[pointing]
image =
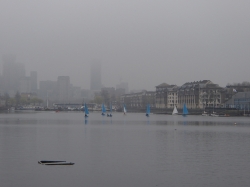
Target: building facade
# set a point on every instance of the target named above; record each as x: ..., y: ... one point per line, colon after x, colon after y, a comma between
x: 139, y: 100
x: 201, y: 94
x: 240, y: 100
x: 166, y: 96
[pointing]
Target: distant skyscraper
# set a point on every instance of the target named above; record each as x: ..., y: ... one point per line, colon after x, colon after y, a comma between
x: 96, y: 76
x: 48, y: 90
x: 33, y: 81
x: 63, y: 86
x: 25, y: 85
x: 12, y: 74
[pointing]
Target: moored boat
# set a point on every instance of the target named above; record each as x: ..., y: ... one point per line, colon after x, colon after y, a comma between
x: 214, y: 114
x: 205, y: 114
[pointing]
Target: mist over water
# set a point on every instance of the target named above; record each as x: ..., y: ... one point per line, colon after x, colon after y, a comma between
x: 144, y: 44
x: 125, y: 150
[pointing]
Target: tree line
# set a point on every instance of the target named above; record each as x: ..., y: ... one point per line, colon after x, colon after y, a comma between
x: 18, y: 100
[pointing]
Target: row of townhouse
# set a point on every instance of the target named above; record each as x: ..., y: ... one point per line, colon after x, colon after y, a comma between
x: 197, y: 94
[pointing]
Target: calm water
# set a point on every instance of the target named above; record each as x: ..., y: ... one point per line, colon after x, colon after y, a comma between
x: 124, y: 151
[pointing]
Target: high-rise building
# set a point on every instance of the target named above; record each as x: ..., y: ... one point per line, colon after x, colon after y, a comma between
x: 33, y: 81
x: 63, y: 88
x: 48, y: 90
x: 25, y: 85
x: 95, y: 76
x: 12, y: 74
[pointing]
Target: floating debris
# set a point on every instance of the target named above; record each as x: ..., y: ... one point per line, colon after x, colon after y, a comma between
x: 53, y: 162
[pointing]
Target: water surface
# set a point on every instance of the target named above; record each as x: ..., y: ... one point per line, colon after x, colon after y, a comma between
x: 132, y: 150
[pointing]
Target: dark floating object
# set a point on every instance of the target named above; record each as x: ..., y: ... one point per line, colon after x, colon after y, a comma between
x: 52, y: 162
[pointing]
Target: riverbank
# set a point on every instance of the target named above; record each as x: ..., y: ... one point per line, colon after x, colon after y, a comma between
x: 220, y: 111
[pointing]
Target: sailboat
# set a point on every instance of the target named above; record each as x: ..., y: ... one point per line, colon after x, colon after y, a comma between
x: 86, y: 110
x: 205, y: 113
x: 175, y: 111
x: 103, y: 109
x: 148, y: 110
x: 124, y: 110
x: 185, y: 110
x: 110, y: 115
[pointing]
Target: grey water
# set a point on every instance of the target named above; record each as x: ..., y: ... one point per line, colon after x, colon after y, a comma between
x: 124, y: 150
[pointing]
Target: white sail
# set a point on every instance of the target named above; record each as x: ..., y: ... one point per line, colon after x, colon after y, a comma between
x: 124, y: 110
x: 175, y: 111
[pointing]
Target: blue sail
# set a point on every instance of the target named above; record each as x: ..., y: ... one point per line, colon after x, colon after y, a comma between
x: 185, y: 110
x: 103, y: 109
x: 148, y: 110
x: 86, y: 110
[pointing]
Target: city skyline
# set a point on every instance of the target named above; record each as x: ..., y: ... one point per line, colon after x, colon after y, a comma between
x: 96, y: 81
x: 142, y: 44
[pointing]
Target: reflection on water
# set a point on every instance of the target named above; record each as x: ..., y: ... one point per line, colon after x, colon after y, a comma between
x: 124, y: 150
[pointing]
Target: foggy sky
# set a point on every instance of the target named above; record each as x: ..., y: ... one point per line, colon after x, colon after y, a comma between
x: 142, y: 42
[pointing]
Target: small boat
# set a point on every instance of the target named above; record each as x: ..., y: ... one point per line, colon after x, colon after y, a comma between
x: 185, y: 110
x: 148, y: 110
x: 205, y: 114
x: 214, y: 114
x: 110, y: 115
x: 52, y: 162
x: 103, y: 110
x: 175, y: 111
x: 86, y: 110
x: 124, y: 110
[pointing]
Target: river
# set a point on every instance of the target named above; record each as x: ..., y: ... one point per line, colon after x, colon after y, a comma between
x: 129, y: 150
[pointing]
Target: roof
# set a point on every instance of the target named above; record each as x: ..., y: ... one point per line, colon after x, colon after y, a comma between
x: 163, y: 85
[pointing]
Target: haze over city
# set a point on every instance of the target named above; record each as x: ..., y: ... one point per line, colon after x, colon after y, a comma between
x: 144, y: 43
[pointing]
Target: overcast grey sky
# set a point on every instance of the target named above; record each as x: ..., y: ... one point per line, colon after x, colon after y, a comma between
x: 142, y: 42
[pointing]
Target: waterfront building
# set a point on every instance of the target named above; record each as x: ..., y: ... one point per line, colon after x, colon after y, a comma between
x: 201, y: 94
x: 166, y: 96
x: 172, y: 96
x: 139, y: 100
x: 240, y: 100
x: 211, y: 95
